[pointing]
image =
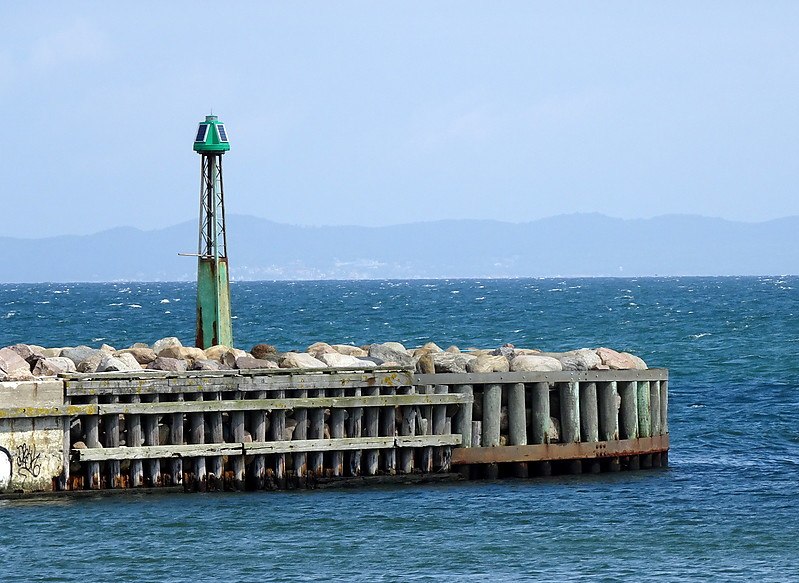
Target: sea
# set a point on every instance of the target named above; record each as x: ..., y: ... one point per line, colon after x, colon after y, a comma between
x: 726, y: 508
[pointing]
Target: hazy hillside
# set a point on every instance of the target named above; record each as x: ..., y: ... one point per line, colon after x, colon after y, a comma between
x: 566, y: 245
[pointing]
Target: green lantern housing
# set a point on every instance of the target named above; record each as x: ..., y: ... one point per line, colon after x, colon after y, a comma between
x: 214, y: 324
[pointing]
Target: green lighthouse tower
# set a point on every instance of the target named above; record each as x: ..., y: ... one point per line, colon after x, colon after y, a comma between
x: 213, y: 284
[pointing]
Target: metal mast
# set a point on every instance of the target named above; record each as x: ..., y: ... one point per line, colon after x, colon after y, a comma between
x: 213, y: 284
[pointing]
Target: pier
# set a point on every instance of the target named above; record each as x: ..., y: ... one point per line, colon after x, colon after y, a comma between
x: 292, y: 428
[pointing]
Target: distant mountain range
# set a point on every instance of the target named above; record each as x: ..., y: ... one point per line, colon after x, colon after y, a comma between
x: 561, y: 246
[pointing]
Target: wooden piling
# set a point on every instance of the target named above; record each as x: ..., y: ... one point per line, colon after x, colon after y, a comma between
x: 135, y: 439
x: 539, y: 422
x: 664, y: 407
x: 628, y: 412
x: 176, y: 438
x: 113, y: 467
x: 92, y: 440
x: 570, y: 419
x: 408, y: 428
x: 237, y: 435
x: 654, y: 406
x: 388, y: 428
x: 492, y: 413
x: 589, y: 421
x: 258, y: 425
x: 197, y: 436
x: 316, y: 430
x: 301, y: 432
x: 336, y: 431
x: 215, y: 463
x: 608, y: 403
x: 151, y: 437
x: 425, y: 427
x: 355, y: 429
x: 371, y: 429
x: 463, y: 418
x: 278, y: 428
x: 441, y: 454
x: 517, y: 423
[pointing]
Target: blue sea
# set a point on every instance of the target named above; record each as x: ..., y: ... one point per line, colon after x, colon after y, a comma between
x: 726, y: 509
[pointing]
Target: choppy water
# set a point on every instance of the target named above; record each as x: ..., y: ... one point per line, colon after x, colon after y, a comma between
x: 727, y: 508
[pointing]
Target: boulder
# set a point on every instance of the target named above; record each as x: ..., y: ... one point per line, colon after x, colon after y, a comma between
x: 192, y: 353
x: 159, y: 345
x: 453, y: 349
x: 553, y: 431
x: 350, y: 350
x: 451, y: 362
x: 249, y: 362
x: 168, y: 364
x: 506, y: 350
x: 108, y: 349
x: 139, y: 345
x: 487, y: 364
x: 392, y: 352
x: 92, y: 362
x: 584, y: 359
x: 142, y: 355
x: 48, y: 367
x: 618, y: 360
x: 425, y: 364
x: 28, y: 352
x: 52, y: 352
x: 637, y: 361
x: 300, y: 360
x: 205, y: 364
x: 111, y: 363
x: 262, y: 350
x: 222, y: 354
x: 336, y: 360
x: 318, y: 348
x: 78, y: 354
x: 432, y: 347
x: 534, y: 363
x: 13, y: 367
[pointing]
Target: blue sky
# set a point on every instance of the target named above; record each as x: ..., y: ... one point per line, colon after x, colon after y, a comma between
x: 374, y: 113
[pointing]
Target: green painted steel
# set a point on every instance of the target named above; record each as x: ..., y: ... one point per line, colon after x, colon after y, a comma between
x: 214, y: 325
x: 213, y: 138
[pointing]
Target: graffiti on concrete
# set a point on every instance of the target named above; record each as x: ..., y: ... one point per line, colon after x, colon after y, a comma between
x: 29, y: 464
x: 5, y: 468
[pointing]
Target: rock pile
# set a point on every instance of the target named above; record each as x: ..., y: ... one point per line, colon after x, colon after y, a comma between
x: 26, y: 361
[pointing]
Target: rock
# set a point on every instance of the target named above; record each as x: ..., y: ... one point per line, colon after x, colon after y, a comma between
x: 28, y: 352
x: 79, y: 445
x: 238, y: 353
x: 525, y: 351
x: 638, y: 361
x: 432, y: 347
x: 487, y: 364
x: 249, y: 362
x: 300, y: 360
x: 425, y: 364
x: 453, y: 350
x: 130, y: 361
x: 78, y: 354
x: 142, y: 355
x: 168, y: 364
x: 533, y: 363
x: 222, y: 354
x: 48, y: 367
x: 350, y: 350
x: 108, y: 349
x: 451, y: 362
x: 13, y: 367
x: 159, y: 345
x: 336, y: 360
x: 124, y: 363
x: 392, y: 352
x: 170, y: 352
x: 52, y: 352
x: 92, y: 362
x: 553, y: 431
x: 583, y: 359
x: 139, y: 345
x: 247, y: 437
x: 617, y: 360
x: 318, y: 348
x: 261, y: 350
x: 506, y: 350
x: 192, y: 353
x: 206, y: 364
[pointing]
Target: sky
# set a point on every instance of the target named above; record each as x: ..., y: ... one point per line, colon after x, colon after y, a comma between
x: 376, y: 113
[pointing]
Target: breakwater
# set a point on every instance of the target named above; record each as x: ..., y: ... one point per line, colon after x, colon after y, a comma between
x: 298, y: 421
